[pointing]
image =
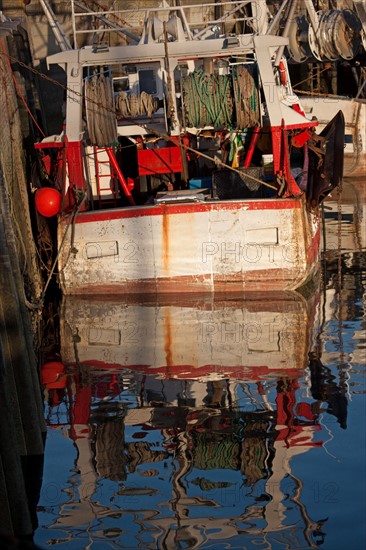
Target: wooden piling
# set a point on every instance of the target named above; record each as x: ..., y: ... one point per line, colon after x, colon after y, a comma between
x: 22, y: 425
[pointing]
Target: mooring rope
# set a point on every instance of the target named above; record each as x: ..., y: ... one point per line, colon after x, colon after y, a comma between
x: 71, y: 223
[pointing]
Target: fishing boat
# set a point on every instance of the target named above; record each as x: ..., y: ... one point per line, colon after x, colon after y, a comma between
x: 186, y: 162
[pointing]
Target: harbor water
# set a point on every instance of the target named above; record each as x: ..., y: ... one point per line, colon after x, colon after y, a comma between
x: 215, y: 422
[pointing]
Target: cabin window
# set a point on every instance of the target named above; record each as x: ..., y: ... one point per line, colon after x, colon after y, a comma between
x: 147, y: 81
x: 121, y: 84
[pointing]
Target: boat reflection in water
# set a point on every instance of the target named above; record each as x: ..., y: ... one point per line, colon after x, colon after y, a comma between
x: 185, y: 417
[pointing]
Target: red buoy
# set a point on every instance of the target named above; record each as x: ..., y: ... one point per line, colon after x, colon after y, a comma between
x: 48, y: 201
x: 52, y: 375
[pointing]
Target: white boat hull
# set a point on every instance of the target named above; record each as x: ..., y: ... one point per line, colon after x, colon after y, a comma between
x: 203, y: 246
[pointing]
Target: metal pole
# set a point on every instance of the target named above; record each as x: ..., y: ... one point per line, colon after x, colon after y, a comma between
x: 171, y: 110
x: 286, y: 30
x: 60, y: 36
x: 107, y: 22
x: 274, y: 23
x: 313, y: 16
x: 221, y: 19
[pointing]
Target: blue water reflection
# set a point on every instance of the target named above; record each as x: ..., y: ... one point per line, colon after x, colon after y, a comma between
x: 219, y: 422
x: 236, y: 442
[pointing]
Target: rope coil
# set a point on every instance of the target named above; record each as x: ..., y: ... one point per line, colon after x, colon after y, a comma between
x: 246, y: 97
x: 208, y: 100
x: 221, y: 101
x: 132, y: 105
x: 100, y: 111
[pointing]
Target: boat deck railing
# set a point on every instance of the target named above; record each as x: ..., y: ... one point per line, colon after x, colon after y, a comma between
x: 196, y: 21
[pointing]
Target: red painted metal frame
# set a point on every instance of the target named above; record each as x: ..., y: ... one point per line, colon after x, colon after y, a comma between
x: 167, y: 160
x: 49, y: 145
x: 281, y: 159
x: 251, y: 148
x: 115, y: 165
x: 74, y: 157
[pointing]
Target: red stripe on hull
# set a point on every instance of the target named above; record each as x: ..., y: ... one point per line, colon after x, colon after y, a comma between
x: 187, y: 208
x: 190, y: 372
x: 313, y: 251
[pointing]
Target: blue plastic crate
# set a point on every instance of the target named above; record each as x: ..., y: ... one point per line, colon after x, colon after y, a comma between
x: 201, y: 183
